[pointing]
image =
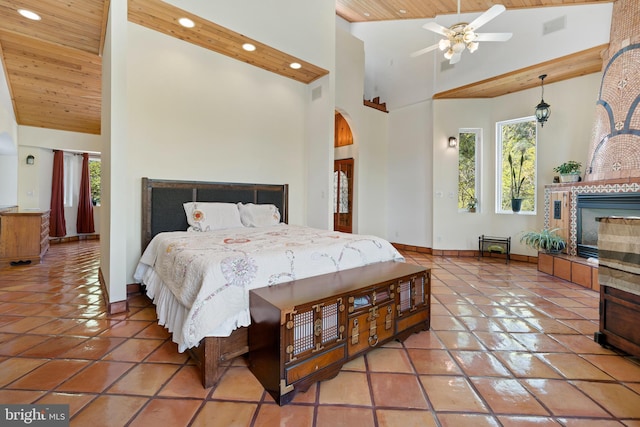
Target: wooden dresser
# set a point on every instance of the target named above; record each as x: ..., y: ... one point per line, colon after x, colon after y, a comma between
x: 303, y: 331
x: 24, y: 236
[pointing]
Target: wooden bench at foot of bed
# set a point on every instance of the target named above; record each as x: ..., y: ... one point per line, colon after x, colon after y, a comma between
x: 303, y: 331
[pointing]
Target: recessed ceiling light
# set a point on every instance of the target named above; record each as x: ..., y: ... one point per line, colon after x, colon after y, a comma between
x: 295, y: 65
x: 186, y: 22
x: 402, y: 11
x: 29, y: 14
x: 248, y: 47
x: 367, y: 14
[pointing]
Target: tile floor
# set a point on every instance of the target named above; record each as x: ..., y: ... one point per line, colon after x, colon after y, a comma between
x: 508, y: 346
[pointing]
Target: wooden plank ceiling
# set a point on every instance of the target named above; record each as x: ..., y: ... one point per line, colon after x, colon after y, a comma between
x: 53, y: 66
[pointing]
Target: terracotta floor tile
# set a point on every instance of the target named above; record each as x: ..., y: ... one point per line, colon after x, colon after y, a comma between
x: 581, y: 344
x: 96, y: 378
x: 93, y: 348
x: 551, y: 326
x: 581, y: 422
x: 446, y: 323
x: 526, y: 365
x: 8, y: 397
x: 49, y: 375
x: 538, y: 342
x: 25, y: 324
x: 238, y: 384
x: 574, y: 367
x: 185, y: 383
x: 452, y: 394
x: 393, y: 418
x: 174, y: 412
x: 481, y: 324
x: 284, y: 416
x: 126, y: 328
x: 519, y: 421
x: 225, y: 414
x: 499, y: 341
x: 423, y: 340
x: 347, y: 388
x: 480, y: 363
x: 134, y: 350
x: 54, y: 347
x: 460, y: 420
x: 562, y: 398
x: 433, y: 362
x: 615, y: 366
x: 508, y: 396
x: 14, y: 368
x: 389, y: 360
x: 397, y: 390
x: 619, y: 400
x: 338, y: 416
x: 144, y: 380
x: 109, y: 411
x: 76, y: 401
x: 459, y: 340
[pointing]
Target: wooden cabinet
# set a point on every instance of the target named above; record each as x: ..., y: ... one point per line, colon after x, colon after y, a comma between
x: 303, y: 331
x: 24, y: 236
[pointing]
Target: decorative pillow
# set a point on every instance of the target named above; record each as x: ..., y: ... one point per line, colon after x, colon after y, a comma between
x: 258, y: 215
x: 209, y: 216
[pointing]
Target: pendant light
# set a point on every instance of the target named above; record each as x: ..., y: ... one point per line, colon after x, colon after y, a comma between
x: 543, y: 110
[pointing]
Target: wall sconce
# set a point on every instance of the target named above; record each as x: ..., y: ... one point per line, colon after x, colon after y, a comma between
x: 543, y: 110
x: 30, y: 159
x: 453, y: 142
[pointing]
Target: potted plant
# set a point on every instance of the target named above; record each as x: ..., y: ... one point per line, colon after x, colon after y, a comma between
x: 544, y: 240
x: 569, y: 171
x: 516, y: 181
x: 472, y: 204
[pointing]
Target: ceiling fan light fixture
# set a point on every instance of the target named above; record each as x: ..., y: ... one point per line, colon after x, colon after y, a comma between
x: 448, y: 54
x: 444, y: 44
x: 458, y: 47
x: 469, y: 36
x: 472, y: 46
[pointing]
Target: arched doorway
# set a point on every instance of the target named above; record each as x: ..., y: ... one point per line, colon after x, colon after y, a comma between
x: 343, y: 169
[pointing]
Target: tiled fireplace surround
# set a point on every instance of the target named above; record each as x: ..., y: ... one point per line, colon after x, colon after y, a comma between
x: 568, y: 266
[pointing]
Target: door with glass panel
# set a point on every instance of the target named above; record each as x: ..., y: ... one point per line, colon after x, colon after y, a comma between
x: 343, y: 195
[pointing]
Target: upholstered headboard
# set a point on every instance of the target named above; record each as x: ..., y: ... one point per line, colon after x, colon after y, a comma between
x: 162, y: 201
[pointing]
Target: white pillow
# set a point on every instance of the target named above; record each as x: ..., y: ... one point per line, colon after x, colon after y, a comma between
x: 258, y: 215
x: 209, y: 216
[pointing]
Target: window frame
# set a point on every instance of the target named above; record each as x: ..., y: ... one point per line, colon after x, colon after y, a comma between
x: 477, y: 163
x: 499, y: 169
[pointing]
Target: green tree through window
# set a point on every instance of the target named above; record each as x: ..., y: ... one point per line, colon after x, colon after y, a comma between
x: 468, y: 140
x: 518, y: 138
x: 94, y: 178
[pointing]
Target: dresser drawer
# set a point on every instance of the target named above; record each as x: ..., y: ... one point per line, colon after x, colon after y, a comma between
x: 314, y: 364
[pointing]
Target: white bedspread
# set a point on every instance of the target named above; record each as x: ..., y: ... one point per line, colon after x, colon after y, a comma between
x: 200, y: 282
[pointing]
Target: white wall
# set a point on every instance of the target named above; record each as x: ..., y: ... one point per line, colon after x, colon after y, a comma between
x: 193, y: 114
x: 8, y: 147
x: 370, y: 134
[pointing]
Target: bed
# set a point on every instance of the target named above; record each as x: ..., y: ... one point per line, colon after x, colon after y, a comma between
x: 199, y: 281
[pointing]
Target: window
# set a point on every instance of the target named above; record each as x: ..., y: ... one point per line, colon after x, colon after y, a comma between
x: 516, y: 139
x: 469, y: 142
x: 94, y: 179
x: 69, y: 178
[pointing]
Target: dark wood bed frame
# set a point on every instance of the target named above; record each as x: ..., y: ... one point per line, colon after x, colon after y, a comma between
x: 162, y: 210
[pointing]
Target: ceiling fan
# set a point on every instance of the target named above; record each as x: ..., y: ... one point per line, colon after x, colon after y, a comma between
x: 463, y: 35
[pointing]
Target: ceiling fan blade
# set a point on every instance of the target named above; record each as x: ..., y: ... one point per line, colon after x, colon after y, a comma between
x: 493, y: 37
x: 491, y: 13
x: 455, y: 58
x: 423, y: 51
x: 437, y: 28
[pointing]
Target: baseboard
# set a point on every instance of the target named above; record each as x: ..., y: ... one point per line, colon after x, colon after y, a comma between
x: 112, y: 307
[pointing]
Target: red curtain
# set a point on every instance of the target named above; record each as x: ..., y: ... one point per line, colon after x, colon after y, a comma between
x: 57, y: 225
x: 84, y: 224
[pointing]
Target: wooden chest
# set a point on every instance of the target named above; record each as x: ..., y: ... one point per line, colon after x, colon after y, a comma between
x: 24, y: 236
x: 303, y: 331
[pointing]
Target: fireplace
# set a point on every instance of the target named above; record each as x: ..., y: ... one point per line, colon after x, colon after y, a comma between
x: 590, y: 206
